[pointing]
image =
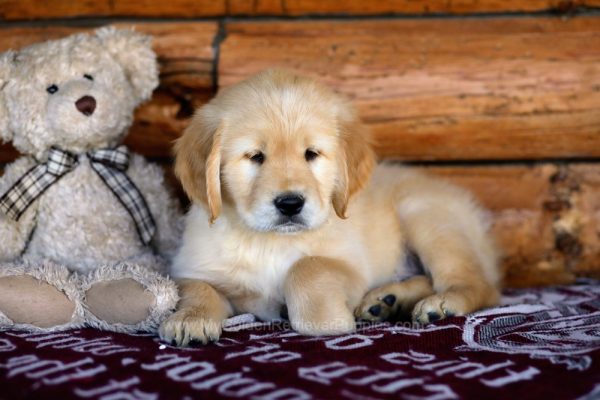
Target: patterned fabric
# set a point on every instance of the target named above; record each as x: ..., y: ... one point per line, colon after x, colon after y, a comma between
x: 109, y: 164
x: 540, y: 344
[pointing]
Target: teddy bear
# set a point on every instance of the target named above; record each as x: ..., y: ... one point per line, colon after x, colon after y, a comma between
x: 86, y: 227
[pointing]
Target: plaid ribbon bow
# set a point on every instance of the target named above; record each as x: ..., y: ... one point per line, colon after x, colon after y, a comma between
x: 109, y: 164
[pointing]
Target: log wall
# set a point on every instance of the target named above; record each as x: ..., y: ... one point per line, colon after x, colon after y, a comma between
x: 501, y: 97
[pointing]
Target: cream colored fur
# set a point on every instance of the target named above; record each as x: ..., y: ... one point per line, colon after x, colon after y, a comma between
x: 78, y: 224
x: 351, y: 236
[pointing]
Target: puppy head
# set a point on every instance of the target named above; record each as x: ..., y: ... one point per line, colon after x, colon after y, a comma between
x: 282, y: 150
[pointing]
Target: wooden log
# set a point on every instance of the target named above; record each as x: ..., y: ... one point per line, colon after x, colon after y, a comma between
x: 430, y: 90
x: 185, y: 55
x: 545, y: 217
x: 390, y: 7
x: 505, y: 88
x: 582, y: 222
x: 38, y: 9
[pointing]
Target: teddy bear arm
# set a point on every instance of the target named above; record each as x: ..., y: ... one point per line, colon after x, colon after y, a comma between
x: 15, y: 234
x: 149, y: 178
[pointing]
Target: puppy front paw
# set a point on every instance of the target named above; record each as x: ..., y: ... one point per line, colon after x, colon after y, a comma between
x: 190, y: 326
x: 393, y: 301
x: 436, y: 307
x: 377, y: 307
x: 457, y: 301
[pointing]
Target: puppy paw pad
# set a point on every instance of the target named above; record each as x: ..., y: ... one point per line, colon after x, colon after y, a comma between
x: 449, y: 313
x: 438, y: 306
x: 433, y: 316
x: 390, y: 299
x: 375, y: 310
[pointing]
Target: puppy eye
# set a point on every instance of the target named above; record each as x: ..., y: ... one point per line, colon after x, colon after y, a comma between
x: 52, y: 89
x: 310, y: 155
x: 88, y: 77
x: 258, y: 158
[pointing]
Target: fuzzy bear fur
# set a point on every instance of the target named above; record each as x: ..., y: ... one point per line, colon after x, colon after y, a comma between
x: 77, y: 233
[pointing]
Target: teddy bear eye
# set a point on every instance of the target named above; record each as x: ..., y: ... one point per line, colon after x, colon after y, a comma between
x: 88, y: 77
x: 52, y: 89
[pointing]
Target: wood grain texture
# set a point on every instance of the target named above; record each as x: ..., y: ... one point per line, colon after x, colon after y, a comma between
x: 185, y: 55
x: 546, y: 218
x: 506, y: 88
x: 429, y: 89
x: 388, y: 7
x: 38, y: 9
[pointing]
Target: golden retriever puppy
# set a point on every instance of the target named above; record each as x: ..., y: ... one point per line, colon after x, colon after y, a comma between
x: 289, y: 208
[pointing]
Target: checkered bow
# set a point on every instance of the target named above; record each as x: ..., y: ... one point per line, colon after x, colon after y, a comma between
x: 109, y: 164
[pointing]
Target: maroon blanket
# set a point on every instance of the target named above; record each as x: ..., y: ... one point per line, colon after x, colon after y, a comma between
x: 542, y: 344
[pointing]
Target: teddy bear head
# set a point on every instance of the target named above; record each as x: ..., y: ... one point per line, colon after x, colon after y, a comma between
x: 77, y: 93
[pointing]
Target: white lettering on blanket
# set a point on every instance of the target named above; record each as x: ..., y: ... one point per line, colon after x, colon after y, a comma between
x: 266, y: 353
x: 378, y: 381
x: 6, y: 345
x: 364, y: 337
x: 100, y: 346
x: 203, y: 375
x: 51, y: 372
x: 462, y: 368
x: 115, y: 390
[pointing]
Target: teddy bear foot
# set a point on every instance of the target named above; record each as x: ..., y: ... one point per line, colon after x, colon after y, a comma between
x: 128, y: 298
x: 43, y: 305
x: 122, y: 301
x: 39, y: 297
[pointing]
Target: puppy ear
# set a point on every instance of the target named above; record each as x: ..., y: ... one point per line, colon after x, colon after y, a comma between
x: 133, y: 51
x: 6, y: 66
x: 356, y: 162
x: 198, y: 161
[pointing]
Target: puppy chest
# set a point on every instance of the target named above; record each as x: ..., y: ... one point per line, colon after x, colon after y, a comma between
x: 266, y: 271
x: 79, y: 218
x: 257, y: 270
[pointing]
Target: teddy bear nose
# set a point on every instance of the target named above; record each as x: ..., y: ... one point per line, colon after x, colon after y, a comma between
x: 86, y: 105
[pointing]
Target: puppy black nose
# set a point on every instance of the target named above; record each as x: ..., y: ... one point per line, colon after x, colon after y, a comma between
x: 289, y: 204
x: 86, y: 105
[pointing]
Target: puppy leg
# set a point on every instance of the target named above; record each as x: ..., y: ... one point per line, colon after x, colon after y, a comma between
x: 320, y: 294
x: 461, y: 265
x: 394, y: 300
x: 199, y: 317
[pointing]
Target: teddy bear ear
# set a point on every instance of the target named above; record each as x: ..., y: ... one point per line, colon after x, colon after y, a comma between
x: 6, y: 66
x: 133, y: 51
